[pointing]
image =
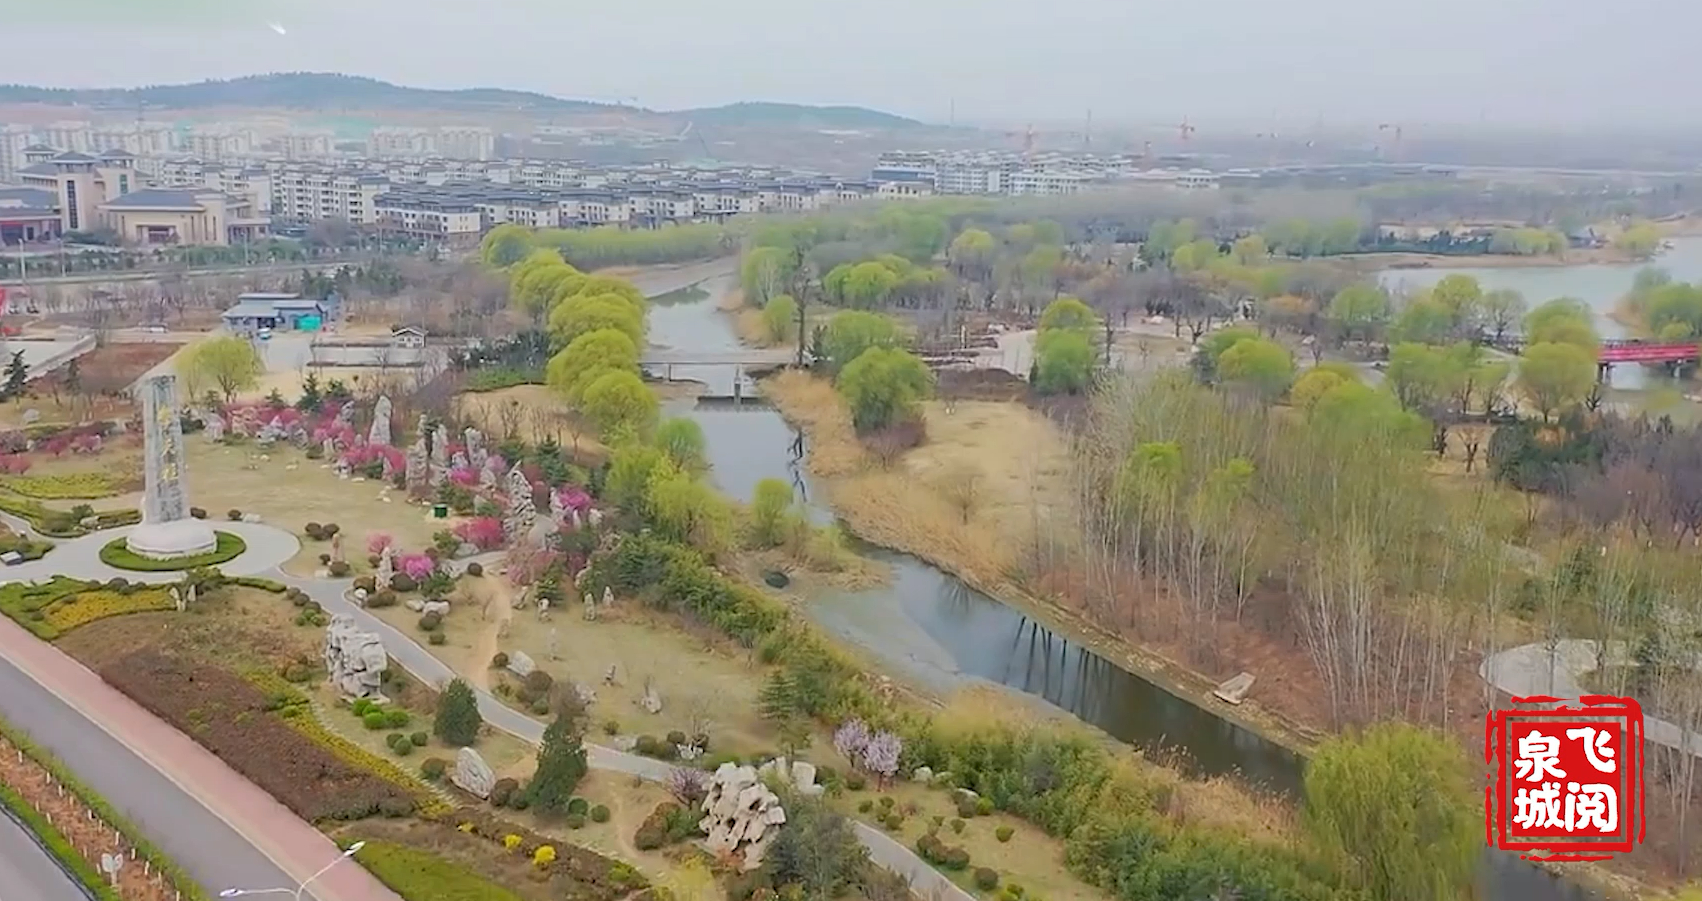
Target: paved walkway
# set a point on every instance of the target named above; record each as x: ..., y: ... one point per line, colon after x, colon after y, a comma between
x: 1531, y: 670
x: 222, y: 829
x: 268, y: 548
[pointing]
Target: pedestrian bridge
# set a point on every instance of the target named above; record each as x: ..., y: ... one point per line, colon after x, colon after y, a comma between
x: 751, y: 358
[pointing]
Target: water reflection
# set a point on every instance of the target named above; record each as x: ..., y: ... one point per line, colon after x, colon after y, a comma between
x: 936, y: 630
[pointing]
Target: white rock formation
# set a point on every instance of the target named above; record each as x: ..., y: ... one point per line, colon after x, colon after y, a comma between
x: 472, y: 774
x: 741, y: 815
x: 354, y: 658
x: 520, y: 664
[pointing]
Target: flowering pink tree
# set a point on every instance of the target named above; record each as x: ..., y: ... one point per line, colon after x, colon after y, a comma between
x: 463, y: 476
x: 482, y: 532
x: 880, y: 755
x: 376, y: 542
x: 850, y: 738
x: 527, y: 561
x: 416, y: 566
x: 574, y: 498
x: 14, y: 464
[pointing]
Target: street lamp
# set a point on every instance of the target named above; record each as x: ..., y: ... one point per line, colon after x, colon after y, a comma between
x: 294, y: 893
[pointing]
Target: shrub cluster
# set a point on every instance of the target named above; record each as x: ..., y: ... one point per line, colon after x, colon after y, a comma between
x: 667, y: 824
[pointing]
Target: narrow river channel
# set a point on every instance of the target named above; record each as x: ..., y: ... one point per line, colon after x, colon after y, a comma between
x: 932, y: 629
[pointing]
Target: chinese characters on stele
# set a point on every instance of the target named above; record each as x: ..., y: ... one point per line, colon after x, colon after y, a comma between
x: 1566, y: 777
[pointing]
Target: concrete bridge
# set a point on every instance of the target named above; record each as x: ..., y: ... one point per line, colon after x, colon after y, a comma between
x: 747, y: 358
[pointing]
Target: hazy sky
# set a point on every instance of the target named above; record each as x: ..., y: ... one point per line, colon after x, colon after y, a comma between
x: 1253, y: 62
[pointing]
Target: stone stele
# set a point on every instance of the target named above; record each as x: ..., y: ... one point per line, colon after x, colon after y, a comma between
x: 166, y: 530
x: 354, y: 658
x: 472, y: 774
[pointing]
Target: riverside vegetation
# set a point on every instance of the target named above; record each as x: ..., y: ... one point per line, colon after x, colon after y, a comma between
x: 1392, y: 576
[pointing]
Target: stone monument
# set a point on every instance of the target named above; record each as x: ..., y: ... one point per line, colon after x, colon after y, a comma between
x: 471, y: 774
x: 522, y: 513
x: 380, y: 432
x: 166, y: 529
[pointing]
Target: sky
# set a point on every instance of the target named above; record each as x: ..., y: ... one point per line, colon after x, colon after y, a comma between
x: 1254, y: 63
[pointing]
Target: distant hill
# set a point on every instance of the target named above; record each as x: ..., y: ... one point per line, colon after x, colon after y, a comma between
x: 301, y: 90
x: 793, y: 115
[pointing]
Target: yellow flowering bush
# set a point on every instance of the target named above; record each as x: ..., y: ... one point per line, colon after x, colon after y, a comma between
x: 81, y: 609
x: 465, y: 827
x: 511, y: 841
x: 72, y: 486
x: 544, y: 856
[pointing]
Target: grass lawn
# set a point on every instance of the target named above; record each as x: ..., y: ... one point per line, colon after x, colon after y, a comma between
x: 699, y: 674
x: 288, y: 491
x: 118, y: 555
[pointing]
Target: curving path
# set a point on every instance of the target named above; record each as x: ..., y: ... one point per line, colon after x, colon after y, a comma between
x: 268, y: 548
x: 1533, y: 670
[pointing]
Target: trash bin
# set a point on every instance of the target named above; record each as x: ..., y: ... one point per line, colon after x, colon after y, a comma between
x: 439, y: 511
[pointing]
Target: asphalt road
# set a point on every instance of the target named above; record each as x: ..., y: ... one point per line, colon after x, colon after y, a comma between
x: 212, y: 853
x: 27, y: 873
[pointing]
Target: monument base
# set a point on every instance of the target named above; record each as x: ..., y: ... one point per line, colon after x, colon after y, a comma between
x: 166, y: 540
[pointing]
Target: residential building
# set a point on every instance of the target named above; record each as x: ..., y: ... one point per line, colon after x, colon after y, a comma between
x: 466, y: 142
x: 433, y: 217
x: 1196, y: 180
x: 408, y: 337
x: 391, y: 141
x: 13, y: 140
x: 292, y: 312
x: 71, y: 136
x: 310, y: 193
x: 306, y: 145
x: 219, y: 143
x: 170, y: 216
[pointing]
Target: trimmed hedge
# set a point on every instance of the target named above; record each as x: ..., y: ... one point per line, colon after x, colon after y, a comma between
x: 262, y: 584
x: 180, y: 880
x: 118, y: 556
x: 422, y: 876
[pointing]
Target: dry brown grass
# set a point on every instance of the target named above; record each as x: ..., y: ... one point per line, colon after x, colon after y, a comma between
x: 698, y: 673
x: 535, y: 412
x: 988, y: 478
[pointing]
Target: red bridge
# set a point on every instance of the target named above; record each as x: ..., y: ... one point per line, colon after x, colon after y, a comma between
x: 1635, y: 351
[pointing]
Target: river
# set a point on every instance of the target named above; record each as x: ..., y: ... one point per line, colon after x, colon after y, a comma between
x: 933, y: 630
x: 1600, y: 285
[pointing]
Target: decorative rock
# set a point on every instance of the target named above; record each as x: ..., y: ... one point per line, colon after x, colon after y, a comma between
x: 520, y: 664
x: 441, y: 608
x: 650, y: 701
x: 379, y: 434
x: 360, y: 596
x: 214, y: 426
x: 611, y: 676
x: 32, y: 416
x: 924, y: 775
x: 250, y: 517
x: 472, y: 774
x: 415, y: 604
x: 804, y: 777
x: 386, y: 568
x: 521, y: 511
x: 740, y: 815
x: 586, y: 694
x: 590, y: 609
x: 608, y: 596
x: 1234, y: 691
x: 417, y: 467
x: 354, y: 658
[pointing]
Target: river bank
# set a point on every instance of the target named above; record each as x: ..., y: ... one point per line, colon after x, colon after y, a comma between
x: 962, y: 503
x: 1574, y: 257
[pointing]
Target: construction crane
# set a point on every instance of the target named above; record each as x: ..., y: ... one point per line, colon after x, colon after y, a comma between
x: 1027, y: 136
x: 1186, y: 130
x: 1390, y: 126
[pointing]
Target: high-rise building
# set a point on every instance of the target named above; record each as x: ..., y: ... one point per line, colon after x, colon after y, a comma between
x: 466, y: 143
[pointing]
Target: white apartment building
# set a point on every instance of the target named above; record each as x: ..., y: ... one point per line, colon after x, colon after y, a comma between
x: 306, y: 194
x: 305, y: 145
x: 1044, y: 182
x: 391, y: 141
x: 465, y: 142
x: 13, y: 140
x: 218, y: 143
x: 65, y: 136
